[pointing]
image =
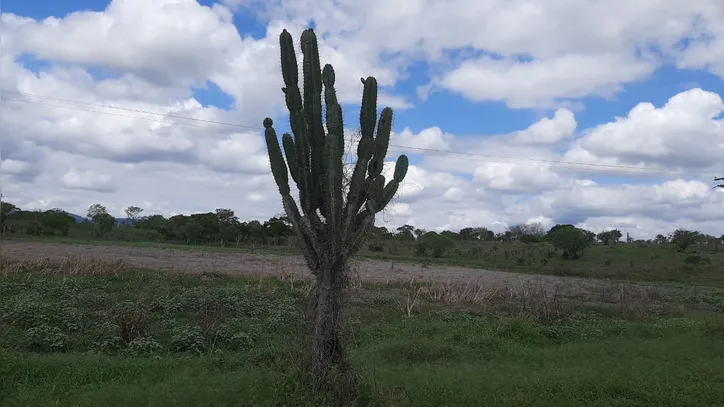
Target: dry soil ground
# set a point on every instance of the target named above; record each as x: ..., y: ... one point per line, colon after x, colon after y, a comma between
x: 190, y: 261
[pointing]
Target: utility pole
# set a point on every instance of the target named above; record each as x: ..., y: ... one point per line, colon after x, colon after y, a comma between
x: 720, y: 185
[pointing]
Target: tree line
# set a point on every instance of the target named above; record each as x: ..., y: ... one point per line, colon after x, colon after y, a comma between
x: 222, y: 227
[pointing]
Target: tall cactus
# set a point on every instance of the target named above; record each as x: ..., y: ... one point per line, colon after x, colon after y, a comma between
x: 332, y: 223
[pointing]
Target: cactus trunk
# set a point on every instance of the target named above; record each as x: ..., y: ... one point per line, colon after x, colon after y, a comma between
x: 330, y: 224
x: 324, y: 346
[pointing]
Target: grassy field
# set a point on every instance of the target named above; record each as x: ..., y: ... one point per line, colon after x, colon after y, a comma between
x: 105, y: 337
x: 702, y: 265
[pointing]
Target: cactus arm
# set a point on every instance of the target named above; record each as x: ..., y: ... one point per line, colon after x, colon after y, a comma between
x: 276, y: 159
x: 362, y: 223
x: 368, y: 110
x: 290, y: 153
x: 390, y: 189
x: 312, y: 74
x: 382, y: 142
x: 334, y: 190
x: 365, y: 149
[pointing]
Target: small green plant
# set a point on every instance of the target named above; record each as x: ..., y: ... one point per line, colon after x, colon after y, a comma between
x: 188, y: 338
x: 696, y: 259
x: 132, y: 320
x: 46, y: 338
x: 144, y: 346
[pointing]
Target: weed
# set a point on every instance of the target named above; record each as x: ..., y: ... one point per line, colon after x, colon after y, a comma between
x: 144, y: 346
x: 188, y: 339
x: 46, y: 338
x: 133, y: 321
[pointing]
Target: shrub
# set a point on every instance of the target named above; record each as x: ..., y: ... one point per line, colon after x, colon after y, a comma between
x: 188, y: 338
x: 144, y: 346
x: 46, y: 338
x: 696, y: 259
x: 375, y: 247
x: 438, y: 244
x: 571, y: 240
x: 132, y: 321
x: 683, y: 238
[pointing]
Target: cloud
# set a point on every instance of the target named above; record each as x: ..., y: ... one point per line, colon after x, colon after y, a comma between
x: 517, y: 179
x: 525, y: 54
x: 241, y: 153
x: 706, y: 47
x: 543, y: 83
x: 686, y: 132
x: 429, y: 138
x: 88, y: 180
x: 164, y: 42
x: 77, y: 128
x: 549, y: 130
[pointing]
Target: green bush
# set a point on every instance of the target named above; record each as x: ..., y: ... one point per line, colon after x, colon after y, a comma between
x: 572, y: 241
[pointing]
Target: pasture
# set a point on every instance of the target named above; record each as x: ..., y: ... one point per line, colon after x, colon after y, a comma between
x: 132, y: 324
x: 640, y: 261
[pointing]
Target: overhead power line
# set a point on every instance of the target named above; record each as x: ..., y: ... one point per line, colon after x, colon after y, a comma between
x: 172, y: 116
x: 24, y: 97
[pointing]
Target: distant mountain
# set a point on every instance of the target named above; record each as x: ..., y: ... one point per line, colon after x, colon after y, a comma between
x: 78, y: 218
x: 81, y: 219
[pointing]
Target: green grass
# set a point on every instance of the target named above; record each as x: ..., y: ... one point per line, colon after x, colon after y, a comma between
x: 144, y: 338
x: 702, y: 265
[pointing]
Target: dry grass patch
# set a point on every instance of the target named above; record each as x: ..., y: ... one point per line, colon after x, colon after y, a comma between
x: 72, y: 265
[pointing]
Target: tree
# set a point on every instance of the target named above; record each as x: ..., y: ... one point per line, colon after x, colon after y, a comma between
x: 683, y: 238
x: 95, y: 210
x: 315, y: 161
x: 534, y: 229
x: 103, y: 224
x: 192, y: 231
x: 609, y: 237
x: 102, y: 221
x: 419, y: 232
x: 6, y: 208
x: 571, y: 240
x: 278, y: 228
x: 450, y: 234
x: 439, y: 244
x: 467, y: 234
x: 226, y: 217
x: 661, y: 239
x: 157, y: 223
x: 527, y: 232
x: 516, y: 231
x: 555, y: 228
x: 133, y: 213
x: 57, y: 220
x: 405, y: 232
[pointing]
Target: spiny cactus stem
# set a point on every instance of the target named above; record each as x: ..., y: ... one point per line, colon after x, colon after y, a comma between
x: 314, y: 160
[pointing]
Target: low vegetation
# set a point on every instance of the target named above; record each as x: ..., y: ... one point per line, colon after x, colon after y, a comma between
x: 87, y: 333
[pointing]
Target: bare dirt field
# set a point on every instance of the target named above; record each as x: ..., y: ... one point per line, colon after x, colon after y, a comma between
x: 247, y: 264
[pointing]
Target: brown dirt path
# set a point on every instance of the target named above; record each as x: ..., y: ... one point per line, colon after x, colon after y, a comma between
x: 189, y: 261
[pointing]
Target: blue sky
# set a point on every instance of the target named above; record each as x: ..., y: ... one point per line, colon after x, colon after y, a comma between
x: 497, y: 82
x: 444, y: 109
